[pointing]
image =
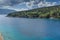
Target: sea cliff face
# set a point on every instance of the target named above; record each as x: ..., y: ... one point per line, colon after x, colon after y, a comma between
x: 46, y: 12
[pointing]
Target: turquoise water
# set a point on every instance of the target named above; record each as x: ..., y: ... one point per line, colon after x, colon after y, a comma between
x: 29, y: 29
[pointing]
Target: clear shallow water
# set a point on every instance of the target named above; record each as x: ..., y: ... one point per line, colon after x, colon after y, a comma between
x: 29, y: 29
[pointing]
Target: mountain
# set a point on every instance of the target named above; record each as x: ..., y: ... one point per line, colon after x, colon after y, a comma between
x: 45, y: 12
x: 6, y: 11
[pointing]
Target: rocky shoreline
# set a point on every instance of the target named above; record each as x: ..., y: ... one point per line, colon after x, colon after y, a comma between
x: 1, y: 37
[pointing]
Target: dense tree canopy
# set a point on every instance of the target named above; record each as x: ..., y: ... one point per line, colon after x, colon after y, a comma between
x: 46, y: 12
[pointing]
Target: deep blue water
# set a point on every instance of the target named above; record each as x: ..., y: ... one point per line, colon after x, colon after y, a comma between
x: 29, y: 29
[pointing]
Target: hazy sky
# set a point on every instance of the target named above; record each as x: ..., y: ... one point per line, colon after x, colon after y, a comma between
x: 26, y: 4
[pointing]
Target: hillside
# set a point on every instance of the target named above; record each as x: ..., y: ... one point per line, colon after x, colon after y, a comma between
x: 46, y: 12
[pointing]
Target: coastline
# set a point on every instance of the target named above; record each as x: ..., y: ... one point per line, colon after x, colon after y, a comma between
x: 1, y: 37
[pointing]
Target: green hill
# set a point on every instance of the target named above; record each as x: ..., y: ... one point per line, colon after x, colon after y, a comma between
x: 46, y: 12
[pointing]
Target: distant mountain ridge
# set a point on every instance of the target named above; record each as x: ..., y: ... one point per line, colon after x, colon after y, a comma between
x: 6, y: 11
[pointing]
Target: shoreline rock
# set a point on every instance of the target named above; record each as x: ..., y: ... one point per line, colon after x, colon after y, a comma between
x: 1, y: 37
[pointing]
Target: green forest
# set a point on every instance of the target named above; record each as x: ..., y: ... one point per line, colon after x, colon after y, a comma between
x: 45, y: 12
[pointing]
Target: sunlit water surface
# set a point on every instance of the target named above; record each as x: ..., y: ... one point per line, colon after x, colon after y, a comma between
x: 29, y: 29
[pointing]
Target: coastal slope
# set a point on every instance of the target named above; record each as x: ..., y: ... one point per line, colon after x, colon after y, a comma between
x: 45, y: 12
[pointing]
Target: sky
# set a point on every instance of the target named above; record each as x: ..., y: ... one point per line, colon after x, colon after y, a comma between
x: 20, y: 5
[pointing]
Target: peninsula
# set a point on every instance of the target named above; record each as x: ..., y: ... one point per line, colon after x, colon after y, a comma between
x: 45, y: 12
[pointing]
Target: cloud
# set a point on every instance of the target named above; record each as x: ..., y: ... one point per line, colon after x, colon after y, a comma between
x: 37, y: 4
x: 13, y: 8
x: 19, y: 5
x: 46, y: 4
x: 10, y: 2
x: 29, y: 4
x: 4, y: 2
x: 14, y: 2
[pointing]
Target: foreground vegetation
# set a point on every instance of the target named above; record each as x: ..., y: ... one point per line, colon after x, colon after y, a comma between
x: 46, y: 12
